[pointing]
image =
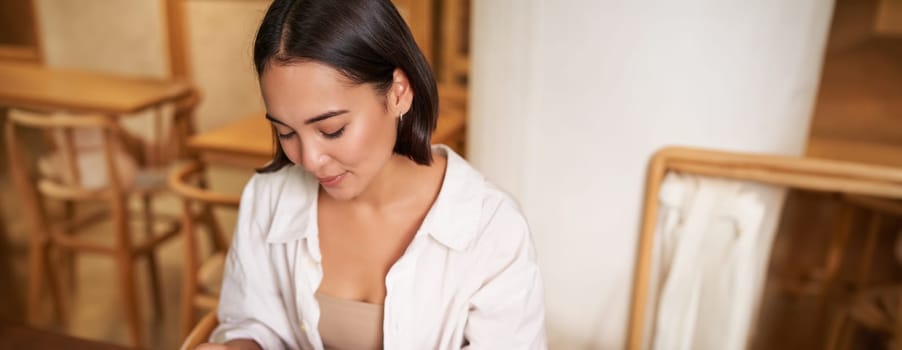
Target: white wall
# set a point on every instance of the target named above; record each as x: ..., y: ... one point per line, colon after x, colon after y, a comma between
x: 569, y: 99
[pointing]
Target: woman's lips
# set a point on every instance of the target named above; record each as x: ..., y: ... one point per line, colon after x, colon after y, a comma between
x: 331, y: 181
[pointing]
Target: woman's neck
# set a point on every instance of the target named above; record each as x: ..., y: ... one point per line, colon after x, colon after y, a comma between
x: 393, y: 187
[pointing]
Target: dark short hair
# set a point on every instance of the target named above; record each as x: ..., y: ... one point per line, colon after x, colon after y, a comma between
x: 365, y: 40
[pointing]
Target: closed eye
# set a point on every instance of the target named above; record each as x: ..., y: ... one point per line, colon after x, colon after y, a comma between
x: 286, y: 135
x: 333, y: 135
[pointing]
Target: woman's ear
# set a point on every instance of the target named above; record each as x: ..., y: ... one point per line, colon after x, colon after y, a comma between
x: 400, y: 95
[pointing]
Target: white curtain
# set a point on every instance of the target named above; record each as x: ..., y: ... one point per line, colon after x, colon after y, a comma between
x: 712, y: 248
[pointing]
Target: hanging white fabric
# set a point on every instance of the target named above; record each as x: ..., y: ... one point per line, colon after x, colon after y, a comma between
x: 712, y: 248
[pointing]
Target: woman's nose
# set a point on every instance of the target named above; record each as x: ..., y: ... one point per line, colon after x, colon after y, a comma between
x: 313, y: 158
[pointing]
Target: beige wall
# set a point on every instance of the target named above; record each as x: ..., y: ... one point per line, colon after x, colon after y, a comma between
x: 129, y: 37
x: 120, y: 36
x: 220, y: 36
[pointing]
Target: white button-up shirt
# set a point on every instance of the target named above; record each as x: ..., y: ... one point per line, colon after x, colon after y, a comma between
x: 468, y: 279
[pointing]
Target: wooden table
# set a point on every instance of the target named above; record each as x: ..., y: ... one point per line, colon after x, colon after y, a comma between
x: 248, y: 142
x: 18, y: 337
x: 40, y: 88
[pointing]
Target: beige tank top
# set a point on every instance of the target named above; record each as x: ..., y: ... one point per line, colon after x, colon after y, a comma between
x: 349, y: 324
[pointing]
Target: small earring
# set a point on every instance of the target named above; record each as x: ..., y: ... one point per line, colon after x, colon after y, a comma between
x: 401, y: 118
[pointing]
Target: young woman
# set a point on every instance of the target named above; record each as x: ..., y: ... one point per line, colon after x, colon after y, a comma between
x: 360, y: 234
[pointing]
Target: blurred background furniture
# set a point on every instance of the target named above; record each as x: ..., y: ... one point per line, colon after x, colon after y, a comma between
x: 45, y: 89
x: 51, y: 89
x: 11, y: 306
x: 201, y: 332
x: 790, y: 172
x: 73, y: 172
x: 202, y: 273
x: 876, y: 308
x: 21, y: 337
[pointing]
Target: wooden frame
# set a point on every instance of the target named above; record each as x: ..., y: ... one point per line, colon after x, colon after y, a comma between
x: 792, y: 172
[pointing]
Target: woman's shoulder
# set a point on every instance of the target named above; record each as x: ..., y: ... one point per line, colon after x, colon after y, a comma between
x: 482, y: 209
x: 502, y: 214
x: 503, y: 231
x: 465, y: 179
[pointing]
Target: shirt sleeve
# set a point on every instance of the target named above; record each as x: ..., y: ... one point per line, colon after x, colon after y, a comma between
x: 250, y: 305
x: 508, y: 310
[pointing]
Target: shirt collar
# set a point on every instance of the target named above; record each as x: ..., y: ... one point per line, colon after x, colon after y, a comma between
x: 452, y: 220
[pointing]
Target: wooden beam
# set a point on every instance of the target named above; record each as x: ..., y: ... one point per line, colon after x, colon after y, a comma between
x: 176, y: 33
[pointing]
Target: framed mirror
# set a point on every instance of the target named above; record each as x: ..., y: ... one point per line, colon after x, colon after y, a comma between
x: 705, y: 243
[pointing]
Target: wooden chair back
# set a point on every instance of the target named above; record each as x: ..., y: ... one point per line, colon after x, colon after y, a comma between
x: 201, y: 332
x: 187, y: 181
x: 97, y: 170
x: 68, y: 136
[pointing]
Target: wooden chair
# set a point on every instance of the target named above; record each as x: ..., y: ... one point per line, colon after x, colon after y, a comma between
x: 791, y: 172
x: 202, y: 277
x: 11, y: 310
x: 875, y: 308
x: 823, y: 279
x: 201, y: 332
x: 76, y: 174
x: 878, y: 309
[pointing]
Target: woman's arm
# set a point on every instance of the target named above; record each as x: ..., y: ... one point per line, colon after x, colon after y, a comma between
x: 251, y: 310
x: 238, y: 344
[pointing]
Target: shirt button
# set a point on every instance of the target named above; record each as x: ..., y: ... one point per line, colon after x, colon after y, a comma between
x: 304, y: 326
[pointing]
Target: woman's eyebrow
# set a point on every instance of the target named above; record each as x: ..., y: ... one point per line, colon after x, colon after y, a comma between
x: 315, y: 119
x: 325, y: 116
x: 274, y: 120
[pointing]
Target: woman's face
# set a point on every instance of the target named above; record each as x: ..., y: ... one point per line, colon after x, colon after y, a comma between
x: 342, y: 133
